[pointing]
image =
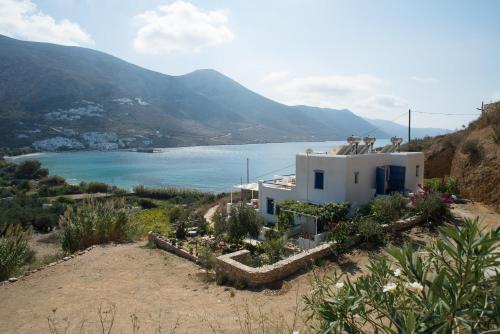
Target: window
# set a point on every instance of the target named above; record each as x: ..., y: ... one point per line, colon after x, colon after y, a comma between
x: 319, y: 178
x: 270, y: 206
x: 356, y: 177
x: 417, y: 171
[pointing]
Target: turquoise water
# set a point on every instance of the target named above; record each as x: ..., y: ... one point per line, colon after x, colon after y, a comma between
x: 207, y: 168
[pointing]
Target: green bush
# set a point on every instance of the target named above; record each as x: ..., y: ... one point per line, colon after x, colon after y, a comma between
x: 370, y: 231
x: 175, y: 195
x: 327, y: 214
x: 52, y: 181
x: 30, y: 169
x: 94, y: 187
x: 431, y: 206
x: 95, y: 222
x: 14, y: 249
x: 243, y: 221
x: 452, y: 287
x: 153, y: 220
x: 146, y: 203
x: 273, y: 250
x: 446, y: 185
x: 387, y: 209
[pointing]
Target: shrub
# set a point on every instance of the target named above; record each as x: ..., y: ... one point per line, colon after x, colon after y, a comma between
x: 472, y: 148
x: 220, y: 223
x: 342, y: 235
x: 241, y: 284
x: 152, y: 220
x: 175, y: 195
x: 95, y: 222
x: 327, y: 214
x: 199, y: 222
x: 243, y: 221
x: 273, y: 249
x: 370, y: 231
x: 453, y: 288
x: 146, y: 203
x: 388, y: 209
x: 207, y: 259
x: 30, y: 169
x: 95, y: 187
x: 52, y: 181
x: 14, y: 249
x: 431, y: 206
x: 447, y: 185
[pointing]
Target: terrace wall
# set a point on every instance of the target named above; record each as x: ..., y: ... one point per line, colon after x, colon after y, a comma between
x: 232, y: 266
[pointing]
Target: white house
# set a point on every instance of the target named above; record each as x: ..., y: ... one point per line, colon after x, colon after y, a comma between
x: 350, y: 177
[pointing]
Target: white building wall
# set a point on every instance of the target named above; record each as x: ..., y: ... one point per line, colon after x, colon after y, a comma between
x: 278, y: 194
x: 334, y: 169
x: 339, y: 185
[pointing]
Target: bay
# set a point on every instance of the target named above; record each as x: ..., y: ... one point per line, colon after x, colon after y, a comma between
x: 206, y: 168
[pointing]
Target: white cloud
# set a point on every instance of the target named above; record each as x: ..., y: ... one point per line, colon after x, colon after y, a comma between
x: 180, y: 26
x: 276, y: 76
x: 22, y: 19
x: 363, y: 93
x: 423, y: 79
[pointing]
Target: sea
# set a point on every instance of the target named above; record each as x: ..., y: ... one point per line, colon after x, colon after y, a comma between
x: 206, y: 168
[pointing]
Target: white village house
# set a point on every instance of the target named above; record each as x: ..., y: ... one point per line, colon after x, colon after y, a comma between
x: 355, y: 174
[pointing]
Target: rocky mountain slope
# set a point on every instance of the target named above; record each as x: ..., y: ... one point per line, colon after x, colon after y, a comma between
x: 58, y: 97
x: 471, y: 155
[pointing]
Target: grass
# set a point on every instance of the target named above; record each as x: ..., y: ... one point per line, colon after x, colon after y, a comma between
x: 153, y: 220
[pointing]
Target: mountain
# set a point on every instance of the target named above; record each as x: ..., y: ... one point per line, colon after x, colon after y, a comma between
x: 399, y: 130
x: 60, y: 97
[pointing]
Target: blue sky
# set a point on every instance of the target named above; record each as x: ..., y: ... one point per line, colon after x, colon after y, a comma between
x: 377, y: 58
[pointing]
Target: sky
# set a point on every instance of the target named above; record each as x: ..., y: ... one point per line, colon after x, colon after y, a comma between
x: 376, y: 58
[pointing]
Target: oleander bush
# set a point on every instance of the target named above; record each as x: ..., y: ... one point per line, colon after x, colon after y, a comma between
x: 387, y: 209
x: 370, y: 231
x: 14, y: 249
x: 446, y: 185
x: 96, y: 222
x: 452, y: 287
x: 431, y: 206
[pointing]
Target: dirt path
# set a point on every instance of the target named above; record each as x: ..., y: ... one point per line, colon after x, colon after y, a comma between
x: 488, y: 218
x: 210, y: 213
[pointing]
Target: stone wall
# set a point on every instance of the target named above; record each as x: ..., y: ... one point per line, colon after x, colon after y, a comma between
x: 164, y: 244
x: 230, y: 266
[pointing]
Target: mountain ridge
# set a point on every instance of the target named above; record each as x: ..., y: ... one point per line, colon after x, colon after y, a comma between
x: 55, y: 97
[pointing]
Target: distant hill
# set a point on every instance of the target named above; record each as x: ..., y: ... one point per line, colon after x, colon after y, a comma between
x: 399, y: 130
x: 60, y: 97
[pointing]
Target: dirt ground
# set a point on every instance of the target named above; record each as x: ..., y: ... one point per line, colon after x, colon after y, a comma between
x: 160, y: 289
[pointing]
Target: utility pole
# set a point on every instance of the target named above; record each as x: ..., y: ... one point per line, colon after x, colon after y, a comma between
x: 482, y: 108
x: 248, y: 172
x: 409, y: 129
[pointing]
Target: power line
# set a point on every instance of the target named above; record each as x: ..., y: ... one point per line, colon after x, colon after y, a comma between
x: 440, y: 113
x: 378, y: 127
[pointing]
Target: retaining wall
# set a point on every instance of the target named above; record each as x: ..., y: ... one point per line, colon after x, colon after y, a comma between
x: 164, y: 244
x: 232, y: 266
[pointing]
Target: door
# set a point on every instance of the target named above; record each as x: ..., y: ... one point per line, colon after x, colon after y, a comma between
x: 380, y: 180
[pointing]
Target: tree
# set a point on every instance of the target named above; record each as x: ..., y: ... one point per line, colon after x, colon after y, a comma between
x: 453, y: 288
x: 243, y: 221
x: 30, y: 169
x: 207, y: 260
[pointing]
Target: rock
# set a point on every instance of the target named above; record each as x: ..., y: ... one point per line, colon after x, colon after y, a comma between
x: 52, y: 264
x: 72, y: 256
x: 34, y: 271
x: 81, y: 253
x: 13, y: 279
x: 66, y: 258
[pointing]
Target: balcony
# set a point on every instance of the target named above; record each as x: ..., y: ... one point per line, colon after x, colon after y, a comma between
x: 286, y: 182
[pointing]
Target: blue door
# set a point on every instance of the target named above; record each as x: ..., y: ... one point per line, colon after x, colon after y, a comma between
x: 380, y: 180
x: 397, y: 178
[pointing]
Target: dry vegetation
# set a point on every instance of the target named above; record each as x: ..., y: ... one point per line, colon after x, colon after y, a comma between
x: 471, y: 155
